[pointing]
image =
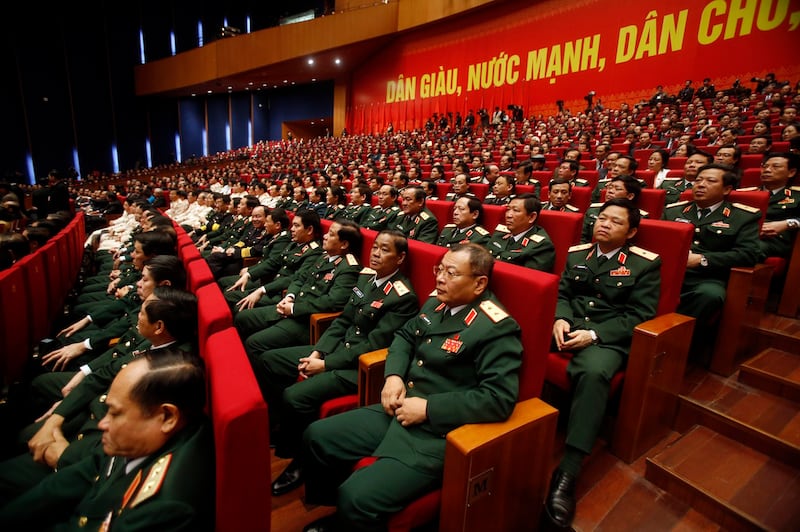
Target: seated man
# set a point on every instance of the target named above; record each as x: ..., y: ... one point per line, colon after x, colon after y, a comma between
x: 416, y: 221
x: 381, y: 302
x: 521, y: 240
x: 155, y: 437
x: 595, y: 318
x: 360, y: 203
x: 676, y: 185
x: 460, y: 188
x: 503, y: 191
x: 558, y: 195
x: 783, y: 212
x: 467, y: 224
x: 428, y: 392
x: 621, y: 186
x: 225, y: 261
x: 168, y: 318
x: 382, y: 215
x: 322, y: 287
x: 726, y: 236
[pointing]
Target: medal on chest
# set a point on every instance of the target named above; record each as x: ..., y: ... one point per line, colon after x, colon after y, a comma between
x: 452, y: 345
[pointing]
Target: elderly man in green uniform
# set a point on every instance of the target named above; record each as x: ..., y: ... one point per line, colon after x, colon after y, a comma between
x: 155, y: 437
x: 68, y: 431
x: 521, y: 240
x: 360, y: 203
x: 456, y: 362
x: 416, y: 221
x: 382, y: 215
x: 382, y: 301
x: 467, y: 224
x: 323, y: 287
x: 726, y: 236
x: 676, y: 185
x: 607, y: 288
x: 778, y: 173
x: 272, y: 275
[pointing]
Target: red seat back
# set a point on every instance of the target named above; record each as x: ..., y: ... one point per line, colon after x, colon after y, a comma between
x: 34, y: 269
x: 213, y: 313
x: 443, y: 210
x: 198, y: 274
x: 564, y: 229
x: 15, y: 334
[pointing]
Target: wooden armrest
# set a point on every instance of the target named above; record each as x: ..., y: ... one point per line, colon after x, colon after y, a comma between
x: 496, y: 475
x: 250, y: 261
x: 320, y: 322
x: 745, y: 299
x: 790, y: 296
x: 370, y: 376
x: 653, y: 377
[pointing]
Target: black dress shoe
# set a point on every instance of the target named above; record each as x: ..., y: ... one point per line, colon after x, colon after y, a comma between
x: 323, y: 524
x: 291, y: 478
x: 560, y: 505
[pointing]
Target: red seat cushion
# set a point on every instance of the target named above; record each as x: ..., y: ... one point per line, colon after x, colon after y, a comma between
x: 778, y: 265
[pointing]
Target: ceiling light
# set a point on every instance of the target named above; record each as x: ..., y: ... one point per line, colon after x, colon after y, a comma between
x: 337, y: 61
x: 310, y: 61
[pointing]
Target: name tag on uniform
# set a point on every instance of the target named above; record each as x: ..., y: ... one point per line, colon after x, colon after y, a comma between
x: 425, y: 318
x: 358, y: 292
x: 683, y: 220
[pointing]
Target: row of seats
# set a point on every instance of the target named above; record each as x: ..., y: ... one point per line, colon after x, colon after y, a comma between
x: 32, y: 296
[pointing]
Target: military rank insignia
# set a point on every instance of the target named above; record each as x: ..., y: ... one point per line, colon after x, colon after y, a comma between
x: 328, y: 276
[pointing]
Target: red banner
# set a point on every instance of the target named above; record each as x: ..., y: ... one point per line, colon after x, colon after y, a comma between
x: 533, y: 55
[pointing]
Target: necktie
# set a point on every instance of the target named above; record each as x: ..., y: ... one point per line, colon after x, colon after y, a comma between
x: 601, y: 260
x: 704, y: 212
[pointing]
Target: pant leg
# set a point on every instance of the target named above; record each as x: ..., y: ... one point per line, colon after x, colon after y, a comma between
x: 301, y: 403
x: 287, y: 332
x: 590, y: 371
x: 332, y: 446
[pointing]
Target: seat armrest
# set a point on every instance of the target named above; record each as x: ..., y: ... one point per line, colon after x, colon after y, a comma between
x: 370, y: 376
x: 653, y: 377
x: 320, y: 321
x: 250, y: 261
x: 496, y: 475
x: 745, y: 299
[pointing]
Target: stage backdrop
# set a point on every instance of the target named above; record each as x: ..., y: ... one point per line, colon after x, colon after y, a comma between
x: 535, y: 54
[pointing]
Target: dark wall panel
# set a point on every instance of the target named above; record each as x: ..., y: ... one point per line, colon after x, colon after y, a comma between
x: 240, y: 120
x: 217, y: 124
x: 192, y: 123
x: 305, y: 102
x: 163, y: 115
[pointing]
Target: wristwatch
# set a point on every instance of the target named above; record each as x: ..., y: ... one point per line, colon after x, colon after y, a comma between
x: 703, y: 261
x: 595, y: 339
x: 793, y: 223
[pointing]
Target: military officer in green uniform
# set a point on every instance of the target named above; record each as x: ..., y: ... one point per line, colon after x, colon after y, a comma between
x: 676, y: 185
x: 607, y: 288
x: 168, y: 319
x: 230, y: 231
x: 416, y: 221
x: 229, y: 261
x: 621, y: 186
x: 323, y: 287
x: 467, y: 224
x: 726, y: 236
x: 382, y: 215
x: 271, y: 276
x: 521, y: 241
x: 455, y: 362
x: 624, y: 165
x: 360, y: 203
x: 779, y: 171
x: 382, y: 301
x: 154, y: 469
x: 559, y: 192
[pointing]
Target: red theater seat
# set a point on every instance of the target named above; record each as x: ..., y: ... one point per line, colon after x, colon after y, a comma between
x: 15, y: 334
x: 213, y: 313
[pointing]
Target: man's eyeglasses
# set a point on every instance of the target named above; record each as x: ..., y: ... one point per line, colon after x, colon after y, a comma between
x: 449, y: 274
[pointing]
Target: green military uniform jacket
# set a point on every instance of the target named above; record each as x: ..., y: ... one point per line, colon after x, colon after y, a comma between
x: 228, y: 233
x: 379, y: 218
x: 590, y: 217
x: 172, y: 489
x: 357, y: 213
x: 783, y: 204
x: 452, y: 235
x: 727, y: 237
x: 423, y: 226
x: 491, y: 199
x: 281, y: 268
x: 674, y: 187
x: 534, y: 249
x: 602, y: 183
x: 465, y: 365
x: 537, y: 186
x: 334, y: 212
x: 610, y: 298
x: 547, y: 206
x: 369, y: 320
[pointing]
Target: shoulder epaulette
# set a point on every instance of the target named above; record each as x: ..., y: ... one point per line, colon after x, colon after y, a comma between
x: 368, y: 271
x: 572, y: 208
x: 747, y: 208
x: 433, y: 293
x: 400, y: 288
x: 537, y: 238
x: 314, y: 244
x: 644, y: 212
x: 424, y: 215
x: 677, y: 204
x: 448, y: 226
x: 596, y: 205
x: 796, y: 189
x: 394, y: 208
x: 580, y: 247
x: 502, y: 228
x: 481, y: 230
x: 494, y: 312
x: 672, y: 179
x: 747, y: 189
x: 155, y: 478
x: 352, y: 260
x: 649, y: 255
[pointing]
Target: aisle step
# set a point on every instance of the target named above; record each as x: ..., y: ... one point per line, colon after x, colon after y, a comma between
x: 774, y: 371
